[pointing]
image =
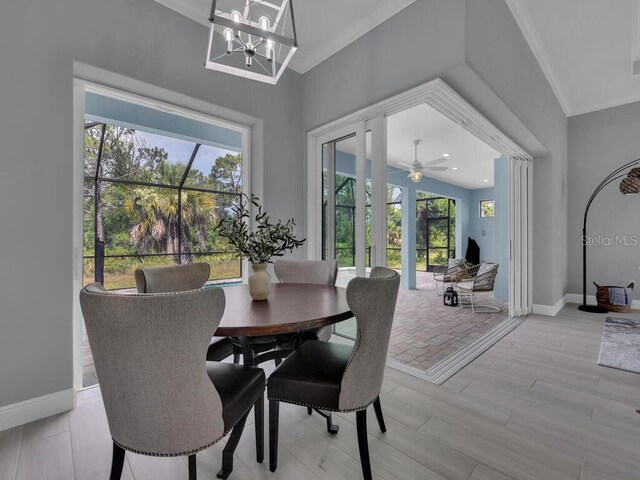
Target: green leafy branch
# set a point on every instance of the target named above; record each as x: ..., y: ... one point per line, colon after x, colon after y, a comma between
x: 268, y: 240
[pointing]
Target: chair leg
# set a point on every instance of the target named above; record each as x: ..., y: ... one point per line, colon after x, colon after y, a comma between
x: 192, y: 467
x: 258, y: 410
x: 274, y: 414
x: 117, y: 462
x: 363, y: 443
x: 331, y: 427
x: 309, y: 410
x: 230, y: 448
x: 378, y: 409
x: 236, y: 354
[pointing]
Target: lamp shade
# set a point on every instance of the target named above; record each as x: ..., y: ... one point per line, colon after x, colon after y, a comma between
x: 254, y: 39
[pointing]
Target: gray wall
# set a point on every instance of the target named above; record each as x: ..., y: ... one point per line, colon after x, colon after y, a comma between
x: 140, y: 39
x: 599, y: 142
x: 477, y: 47
x: 498, y: 52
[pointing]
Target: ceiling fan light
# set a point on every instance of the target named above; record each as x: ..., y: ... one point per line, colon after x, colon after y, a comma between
x: 415, y: 176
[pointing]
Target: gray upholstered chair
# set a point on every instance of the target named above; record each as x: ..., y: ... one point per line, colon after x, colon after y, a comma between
x: 179, y: 278
x: 319, y: 272
x: 338, y: 377
x: 160, y: 395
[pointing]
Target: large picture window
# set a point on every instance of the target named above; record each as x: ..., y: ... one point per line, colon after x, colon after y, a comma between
x: 152, y: 200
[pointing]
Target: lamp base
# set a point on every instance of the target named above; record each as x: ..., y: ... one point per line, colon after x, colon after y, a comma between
x: 592, y: 309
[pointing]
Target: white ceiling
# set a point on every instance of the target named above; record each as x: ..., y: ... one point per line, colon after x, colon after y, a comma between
x: 438, y: 135
x: 586, y: 48
x: 323, y: 27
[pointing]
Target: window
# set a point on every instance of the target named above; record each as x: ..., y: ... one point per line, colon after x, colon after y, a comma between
x: 487, y: 208
x: 154, y: 200
x: 394, y: 226
x: 435, y: 230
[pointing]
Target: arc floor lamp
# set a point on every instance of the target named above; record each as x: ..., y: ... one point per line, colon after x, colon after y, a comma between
x: 629, y: 185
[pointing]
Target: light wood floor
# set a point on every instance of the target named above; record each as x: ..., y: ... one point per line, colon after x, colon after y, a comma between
x: 535, y: 406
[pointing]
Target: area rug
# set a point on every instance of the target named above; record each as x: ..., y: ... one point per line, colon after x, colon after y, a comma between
x: 620, y: 346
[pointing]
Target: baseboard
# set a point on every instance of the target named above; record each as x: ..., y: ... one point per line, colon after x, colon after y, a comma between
x: 591, y: 300
x: 36, y: 408
x: 551, y: 310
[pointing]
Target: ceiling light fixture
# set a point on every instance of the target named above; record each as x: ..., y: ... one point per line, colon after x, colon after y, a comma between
x: 485, y: 180
x: 454, y: 168
x: 415, y: 174
x: 252, y: 38
x: 446, y: 155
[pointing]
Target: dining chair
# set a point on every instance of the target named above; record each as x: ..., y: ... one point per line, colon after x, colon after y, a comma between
x: 161, y: 397
x: 179, y: 278
x: 318, y: 272
x: 340, y: 378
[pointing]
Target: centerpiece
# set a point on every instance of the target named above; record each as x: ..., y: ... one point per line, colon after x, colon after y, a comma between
x: 266, y: 241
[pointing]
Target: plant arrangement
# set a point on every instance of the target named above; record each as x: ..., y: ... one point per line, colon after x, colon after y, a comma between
x: 268, y: 239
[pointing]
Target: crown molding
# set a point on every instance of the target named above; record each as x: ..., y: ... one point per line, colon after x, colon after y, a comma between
x: 187, y: 10
x: 388, y: 9
x: 605, y: 105
x: 525, y: 23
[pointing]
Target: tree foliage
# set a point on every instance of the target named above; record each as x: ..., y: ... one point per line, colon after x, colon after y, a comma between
x: 135, y: 219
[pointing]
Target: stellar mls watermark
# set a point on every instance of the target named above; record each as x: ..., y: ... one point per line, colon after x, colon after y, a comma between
x: 611, y: 241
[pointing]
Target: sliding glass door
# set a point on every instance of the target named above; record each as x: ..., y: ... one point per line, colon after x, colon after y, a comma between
x: 348, y: 189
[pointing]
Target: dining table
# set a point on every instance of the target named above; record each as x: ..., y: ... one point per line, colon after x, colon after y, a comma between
x: 290, y: 309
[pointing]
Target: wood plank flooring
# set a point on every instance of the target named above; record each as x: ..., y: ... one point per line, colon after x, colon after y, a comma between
x: 533, y: 407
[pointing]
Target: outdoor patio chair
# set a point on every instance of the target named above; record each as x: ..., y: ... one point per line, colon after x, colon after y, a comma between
x: 479, y: 278
x: 444, y: 275
x: 337, y: 377
x: 160, y: 395
x: 179, y: 278
x: 447, y: 275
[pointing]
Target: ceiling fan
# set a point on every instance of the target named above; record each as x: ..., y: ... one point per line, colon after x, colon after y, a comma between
x: 415, y: 172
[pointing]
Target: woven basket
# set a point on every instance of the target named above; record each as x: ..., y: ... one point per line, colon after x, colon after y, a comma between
x: 602, y: 296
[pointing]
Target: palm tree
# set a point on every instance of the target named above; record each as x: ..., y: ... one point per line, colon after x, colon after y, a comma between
x: 157, y: 222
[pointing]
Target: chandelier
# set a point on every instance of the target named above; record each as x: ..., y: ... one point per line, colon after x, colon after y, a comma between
x: 252, y: 38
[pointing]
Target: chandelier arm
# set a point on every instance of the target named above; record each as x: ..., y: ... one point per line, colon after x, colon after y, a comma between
x: 263, y: 67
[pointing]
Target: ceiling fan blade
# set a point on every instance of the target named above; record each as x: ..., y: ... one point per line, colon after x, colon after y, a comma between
x: 436, y: 161
x: 437, y: 169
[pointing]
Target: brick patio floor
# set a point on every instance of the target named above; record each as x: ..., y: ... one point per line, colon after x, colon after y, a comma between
x: 424, y: 330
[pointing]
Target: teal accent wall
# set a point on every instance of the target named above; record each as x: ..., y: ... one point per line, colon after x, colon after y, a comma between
x: 482, y: 229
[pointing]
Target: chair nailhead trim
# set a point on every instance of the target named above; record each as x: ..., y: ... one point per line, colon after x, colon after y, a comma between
x: 324, y: 408
x: 191, y: 452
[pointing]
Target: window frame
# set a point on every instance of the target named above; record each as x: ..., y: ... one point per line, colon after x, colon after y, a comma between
x: 492, y: 200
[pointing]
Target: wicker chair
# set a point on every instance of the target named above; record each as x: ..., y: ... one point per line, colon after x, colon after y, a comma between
x: 479, y: 278
x: 444, y: 275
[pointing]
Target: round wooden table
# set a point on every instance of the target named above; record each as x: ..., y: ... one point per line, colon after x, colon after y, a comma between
x: 290, y: 308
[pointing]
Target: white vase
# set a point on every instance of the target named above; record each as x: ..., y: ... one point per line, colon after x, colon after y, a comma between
x: 259, y: 281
